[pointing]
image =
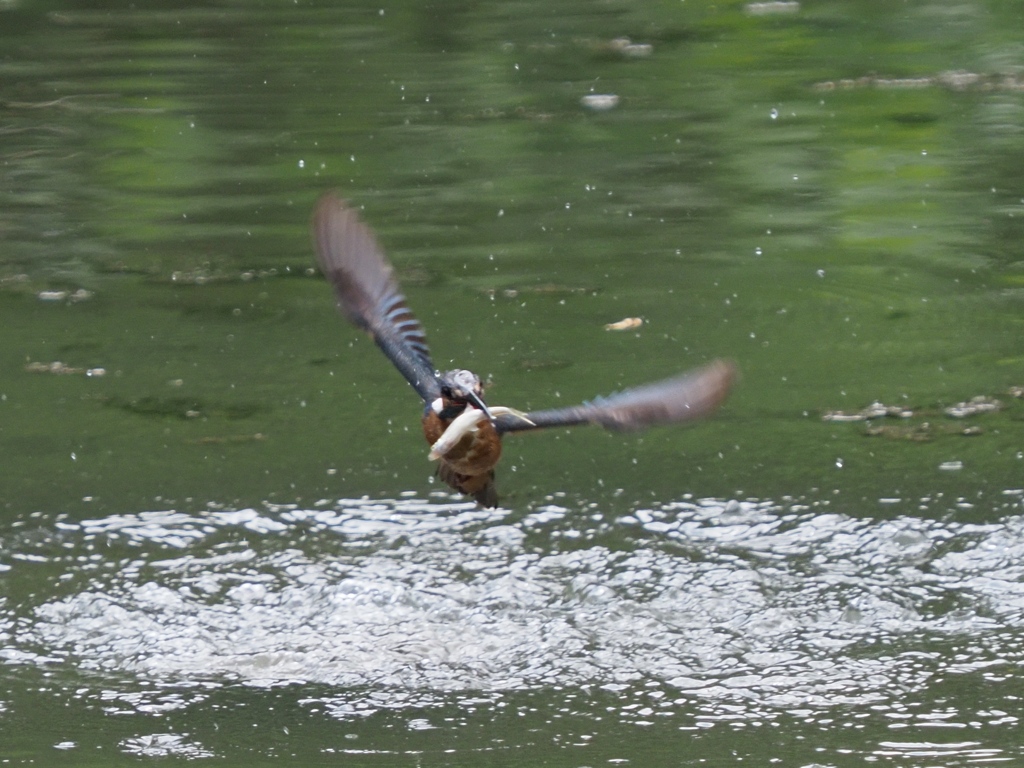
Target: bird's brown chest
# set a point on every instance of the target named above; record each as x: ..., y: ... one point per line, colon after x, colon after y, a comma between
x: 475, y: 454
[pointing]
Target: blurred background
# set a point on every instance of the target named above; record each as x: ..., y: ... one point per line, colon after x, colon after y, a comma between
x: 219, y: 532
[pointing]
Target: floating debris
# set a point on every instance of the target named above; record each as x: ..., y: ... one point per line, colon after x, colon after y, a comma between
x: 519, y: 113
x: 70, y: 296
x: 542, y: 289
x: 600, y: 102
x: 771, y: 8
x: 206, y: 275
x: 555, y: 288
x: 185, y: 408
x: 228, y: 439
x: 1015, y: 392
x: 954, y: 80
x: 874, y: 411
x: 617, y: 48
x: 920, y: 433
x: 629, y: 49
x: 200, y: 276
x: 915, y: 433
x: 951, y: 466
x: 626, y: 324
x: 61, y: 369
x: 973, y: 407
x: 542, y: 364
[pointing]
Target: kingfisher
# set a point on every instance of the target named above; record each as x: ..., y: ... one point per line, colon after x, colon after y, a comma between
x: 463, y: 431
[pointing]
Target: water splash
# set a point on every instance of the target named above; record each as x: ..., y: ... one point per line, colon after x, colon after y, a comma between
x: 727, y: 609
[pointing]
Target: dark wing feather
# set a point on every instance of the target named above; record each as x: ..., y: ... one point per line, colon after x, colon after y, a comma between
x: 689, y: 396
x: 368, y: 293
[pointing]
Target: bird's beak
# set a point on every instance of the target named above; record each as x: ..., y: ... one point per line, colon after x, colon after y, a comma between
x: 480, y: 404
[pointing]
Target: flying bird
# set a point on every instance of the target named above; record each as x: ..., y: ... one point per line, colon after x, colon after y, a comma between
x: 463, y: 431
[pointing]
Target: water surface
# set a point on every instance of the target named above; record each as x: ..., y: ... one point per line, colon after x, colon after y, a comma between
x: 219, y: 532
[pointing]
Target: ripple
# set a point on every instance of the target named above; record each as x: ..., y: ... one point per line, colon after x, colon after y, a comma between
x: 163, y: 745
x: 741, y: 609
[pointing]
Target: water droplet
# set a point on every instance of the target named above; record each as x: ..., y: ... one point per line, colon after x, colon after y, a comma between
x: 757, y: 251
x: 302, y: 163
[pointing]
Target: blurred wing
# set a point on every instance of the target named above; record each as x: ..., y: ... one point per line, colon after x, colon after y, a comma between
x: 368, y: 293
x: 682, y: 398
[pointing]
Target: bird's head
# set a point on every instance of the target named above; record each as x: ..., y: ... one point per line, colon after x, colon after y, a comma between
x: 460, y: 388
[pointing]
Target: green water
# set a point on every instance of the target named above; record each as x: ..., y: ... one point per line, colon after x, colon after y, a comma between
x: 219, y: 533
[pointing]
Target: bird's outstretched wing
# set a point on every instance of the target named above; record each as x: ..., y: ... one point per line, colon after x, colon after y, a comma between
x: 687, y: 397
x: 368, y: 293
